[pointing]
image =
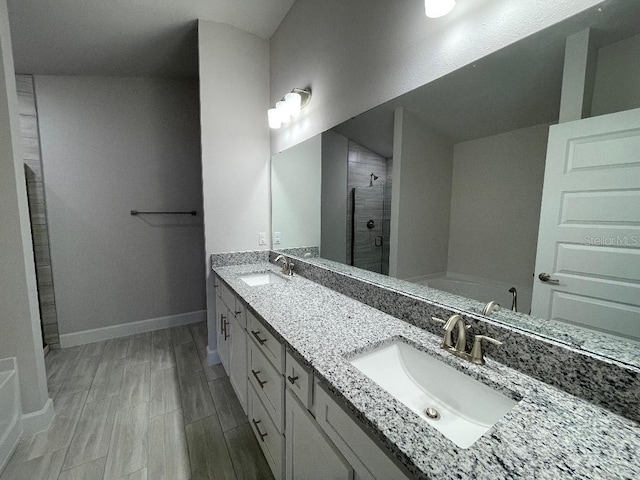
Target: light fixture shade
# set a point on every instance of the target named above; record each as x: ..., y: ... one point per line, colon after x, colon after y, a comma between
x: 274, y: 118
x: 283, y: 111
x: 294, y: 103
x: 438, y: 8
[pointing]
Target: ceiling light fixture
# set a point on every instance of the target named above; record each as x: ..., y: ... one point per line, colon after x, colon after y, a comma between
x: 289, y: 107
x: 438, y: 8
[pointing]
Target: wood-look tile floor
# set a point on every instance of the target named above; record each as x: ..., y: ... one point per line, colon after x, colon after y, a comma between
x: 141, y: 407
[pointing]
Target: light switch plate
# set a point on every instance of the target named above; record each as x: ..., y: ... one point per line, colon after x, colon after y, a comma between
x: 276, y: 237
x: 262, y: 238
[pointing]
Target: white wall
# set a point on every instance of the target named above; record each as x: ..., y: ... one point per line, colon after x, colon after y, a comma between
x: 335, y: 152
x: 421, y: 197
x: 617, y: 83
x: 495, y: 205
x: 296, y: 176
x: 356, y: 55
x: 234, y: 99
x: 111, y: 145
x: 20, y: 333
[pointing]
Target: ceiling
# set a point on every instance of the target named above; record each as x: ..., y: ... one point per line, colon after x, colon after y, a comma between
x: 126, y: 37
x: 516, y: 87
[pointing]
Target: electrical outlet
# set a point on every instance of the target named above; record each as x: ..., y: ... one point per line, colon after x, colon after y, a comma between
x: 262, y: 238
x: 276, y: 238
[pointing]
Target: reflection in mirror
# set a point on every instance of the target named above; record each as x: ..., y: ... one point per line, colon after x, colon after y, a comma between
x: 445, y: 186
x: 295, y: 200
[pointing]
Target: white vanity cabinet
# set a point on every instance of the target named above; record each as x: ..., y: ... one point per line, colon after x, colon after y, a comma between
x: 224, y: 336
x: 309, y: 453
x: 368, y: 460
x: 302, y: 431
x: 232, y: 338
x: 238, y: 361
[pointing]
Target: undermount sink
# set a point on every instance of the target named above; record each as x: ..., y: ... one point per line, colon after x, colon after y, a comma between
x: 458, y: 406
x: 261, y: 278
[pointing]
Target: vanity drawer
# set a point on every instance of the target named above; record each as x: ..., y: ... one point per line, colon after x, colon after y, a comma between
x: 268, y: 384
x: 266, y: 342
x: 240, y: 313
x: 217, y: 286
x: 269, y: 438
x: 228, y: 297
x: 367, y: 458
x: 299, y: 379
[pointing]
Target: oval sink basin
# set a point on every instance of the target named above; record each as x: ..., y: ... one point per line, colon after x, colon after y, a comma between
x: 458, y: 406
x: 261, y: 278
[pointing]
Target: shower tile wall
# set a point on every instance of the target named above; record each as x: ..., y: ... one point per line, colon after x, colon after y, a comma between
x: 386, y: 218
x: 37, y: 207
x: 361, y: 162
x: 369, y: 205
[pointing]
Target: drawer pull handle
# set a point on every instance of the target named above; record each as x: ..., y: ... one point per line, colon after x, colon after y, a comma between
x: 260, y: 382
x: 291, y: 379
x: 261, y: 341
x: 238, y: 312
x: 255, y: 423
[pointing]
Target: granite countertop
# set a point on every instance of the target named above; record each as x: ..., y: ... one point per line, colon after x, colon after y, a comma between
x: 548, y: 434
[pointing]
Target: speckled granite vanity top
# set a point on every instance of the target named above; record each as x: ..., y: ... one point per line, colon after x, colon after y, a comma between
x: 549, y: 434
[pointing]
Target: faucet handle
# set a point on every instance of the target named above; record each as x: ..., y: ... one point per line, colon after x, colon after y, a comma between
x: 477, y: 355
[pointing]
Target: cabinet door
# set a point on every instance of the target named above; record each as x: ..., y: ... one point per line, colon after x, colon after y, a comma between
x: 238, y: 361
x: 223, y: 333
x: 310, y: 453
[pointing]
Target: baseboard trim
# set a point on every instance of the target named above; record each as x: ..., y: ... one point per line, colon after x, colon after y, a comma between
x: 40, y: 420
x: 132, y: 328
x: 9, y: 442
x: 212, y: 357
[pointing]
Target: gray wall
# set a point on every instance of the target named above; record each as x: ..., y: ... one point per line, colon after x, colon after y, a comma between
x: 20, y: 334
x: 333, y: 231
x: 617, y: 83
x: 495, y: 205
x: 371, y: 51
x: 421, y: 197
x: 111, y: 145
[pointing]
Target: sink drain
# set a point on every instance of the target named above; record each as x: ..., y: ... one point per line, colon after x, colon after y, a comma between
x: 432, y: 413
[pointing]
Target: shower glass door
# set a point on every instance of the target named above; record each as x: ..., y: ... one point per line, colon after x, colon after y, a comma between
x: 370, y: 241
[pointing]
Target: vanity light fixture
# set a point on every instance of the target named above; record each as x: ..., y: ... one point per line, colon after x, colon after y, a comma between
x: 289, y: 107
x: 438, y: 8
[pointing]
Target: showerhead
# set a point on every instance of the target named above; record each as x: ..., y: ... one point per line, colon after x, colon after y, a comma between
x: 374, y: 176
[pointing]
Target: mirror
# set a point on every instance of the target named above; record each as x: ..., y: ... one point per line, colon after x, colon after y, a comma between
x: 442, y: 187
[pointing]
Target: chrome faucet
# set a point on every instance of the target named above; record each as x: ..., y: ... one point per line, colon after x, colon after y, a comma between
x: 287, y: 266
x: 490, y: 307
x: 475, y: 355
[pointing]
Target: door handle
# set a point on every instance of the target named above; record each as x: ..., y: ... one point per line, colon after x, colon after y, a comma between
x: 545, y: 277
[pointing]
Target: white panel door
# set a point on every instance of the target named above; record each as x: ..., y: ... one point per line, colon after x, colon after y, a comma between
x: 588, y: 258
